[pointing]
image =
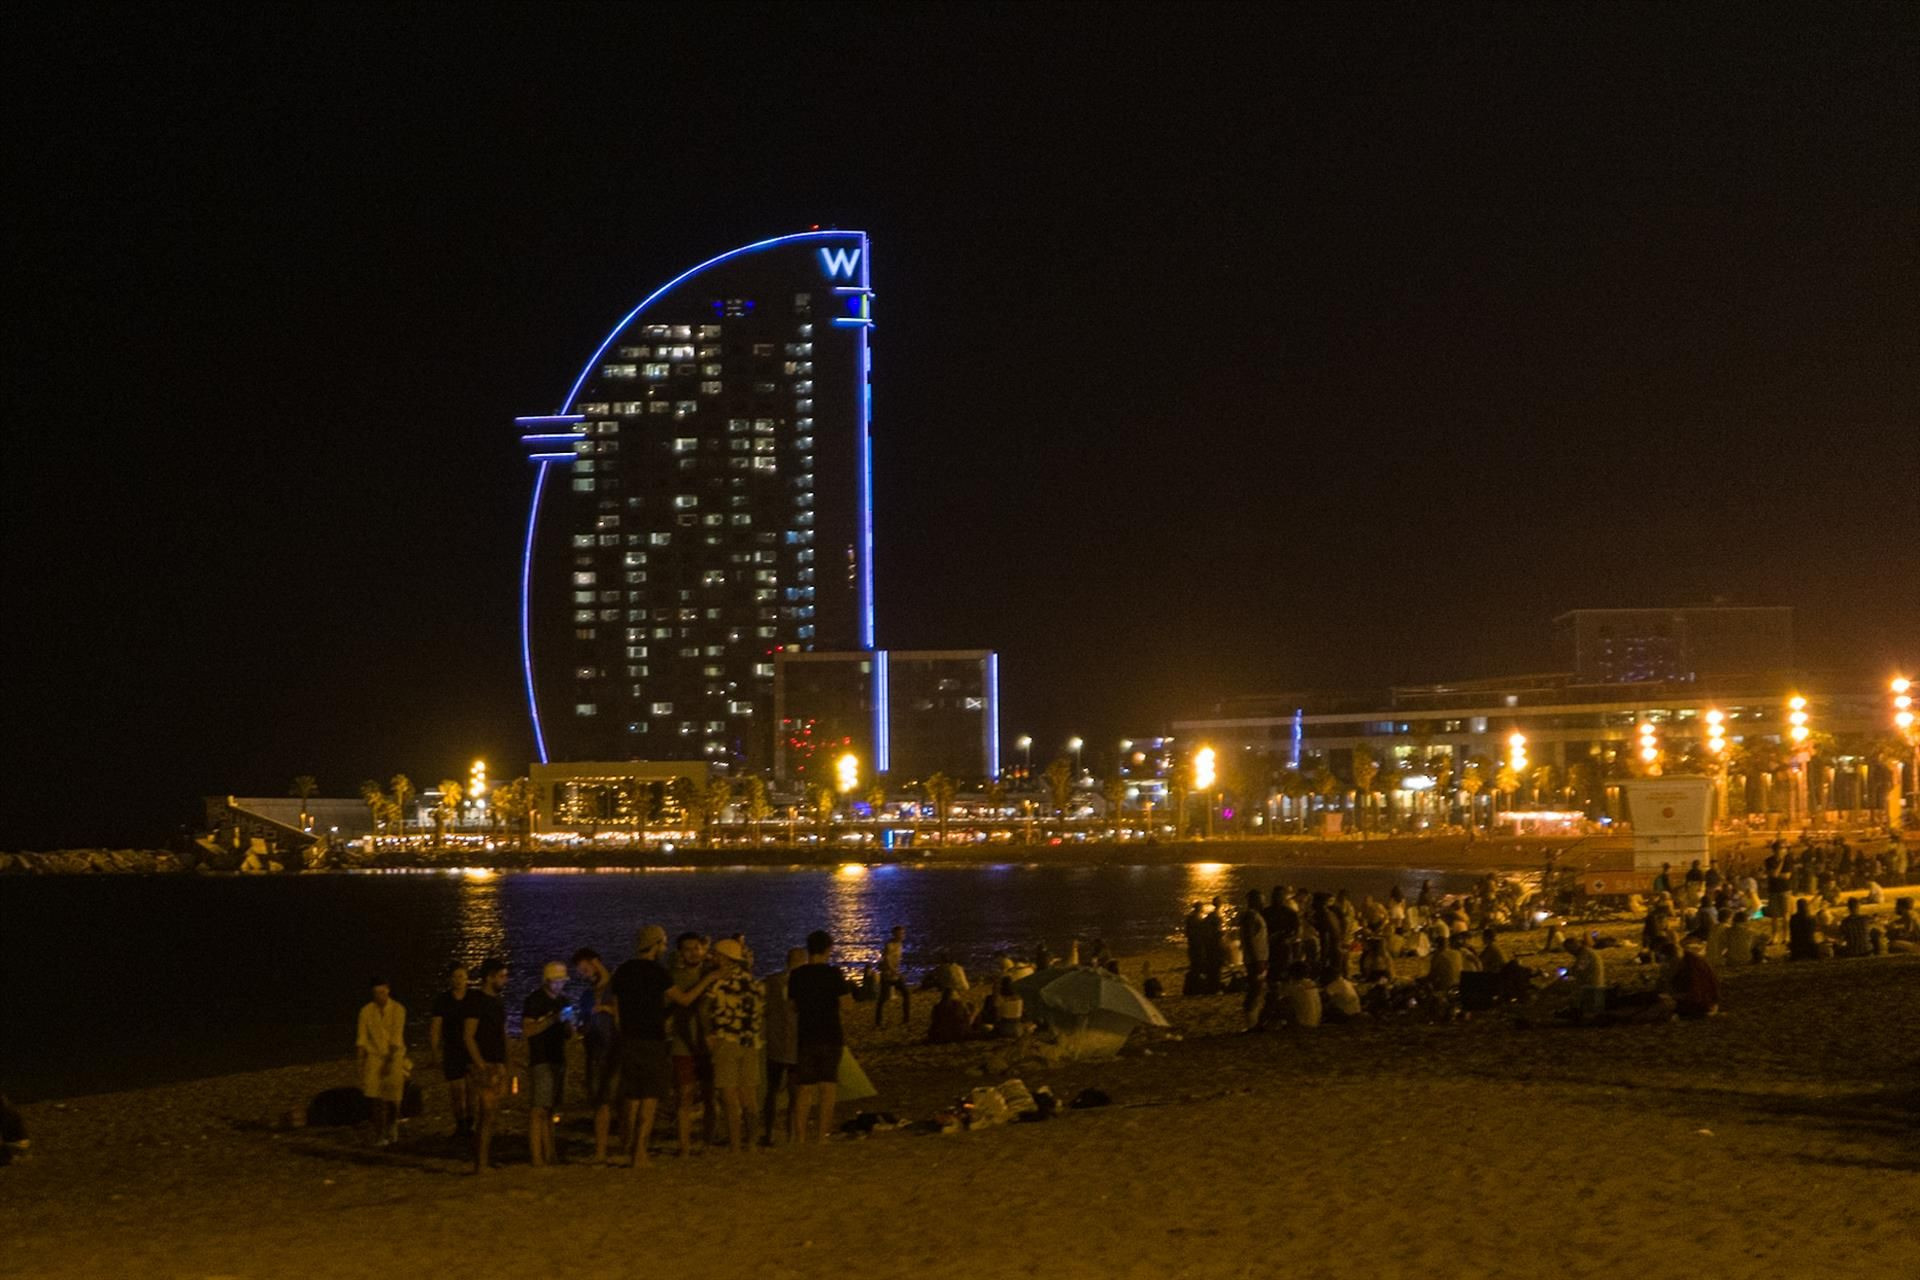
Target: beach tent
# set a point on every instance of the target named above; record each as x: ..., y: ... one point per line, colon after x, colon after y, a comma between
x: 1090, y: 1012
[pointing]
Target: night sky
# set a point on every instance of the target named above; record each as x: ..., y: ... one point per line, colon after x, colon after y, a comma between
x: 1218, y: 350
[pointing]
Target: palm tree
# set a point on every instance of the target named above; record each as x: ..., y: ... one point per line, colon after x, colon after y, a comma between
x: 1326, y: 785
x: 304, y: 786
x: 1505, y: 783
x: 820, y: 802
x: 446, y: 811
x: 1473, y: 779
x: 402, y: 788
x: 713, y: 807
x: 940, y: 791
x: 1059, y: 778
x: 1391, y: 779
x: 513, y: 805
x: 1890, y: 751
x: 1441, y: 767
x: 1114, y: 791
x: 376, y: 802
x: 683, y: 801
x: 1365, y: 767
x: 996, y: 797
x: 759, y: 807
x: 1295, y: 787
x: 876, y: 797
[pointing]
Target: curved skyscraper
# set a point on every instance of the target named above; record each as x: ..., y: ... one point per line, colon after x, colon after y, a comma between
x: 702, y: 502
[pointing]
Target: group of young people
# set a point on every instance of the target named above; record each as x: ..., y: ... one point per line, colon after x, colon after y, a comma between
x: 691, y: 1024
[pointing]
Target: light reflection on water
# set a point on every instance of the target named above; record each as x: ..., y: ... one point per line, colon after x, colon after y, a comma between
x: 288, y: 958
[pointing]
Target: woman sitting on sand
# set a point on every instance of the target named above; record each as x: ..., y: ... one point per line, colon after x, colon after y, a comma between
x: 1903, y: 931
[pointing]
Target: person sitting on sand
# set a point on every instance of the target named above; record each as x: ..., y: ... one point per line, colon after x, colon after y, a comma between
x: 1903, y: 930
x: 1302, y: 1005
x: 1856, y: 931
x: 1695, y: 986
x: 1803, y: 933
x: 1009, y: 1011
x: 1589, y: 974
x: 380, y: 1047
x: 1493, y: 957
x: 1444, y: 968
x: 953, y: 1021
x: 1340, y: 1002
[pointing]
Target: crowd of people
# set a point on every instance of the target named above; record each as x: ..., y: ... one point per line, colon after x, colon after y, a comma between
x: 692, y: 1025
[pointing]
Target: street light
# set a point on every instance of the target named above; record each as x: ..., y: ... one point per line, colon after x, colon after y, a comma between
x: 1074, y: 744
x: 1649, y: 746
x: 1203, y: 779
x: 1025, y: 743
x: 846, y: 772
x: 1904, y: 722
x: 1797, y: 734
x: 1716, y: 732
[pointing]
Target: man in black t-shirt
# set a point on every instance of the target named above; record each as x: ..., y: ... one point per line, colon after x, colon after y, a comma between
x: 543, y: 1021
x: 640, y: 988
x: 819, y: 994
x: 485, y: 1035
x: 446, y: 1036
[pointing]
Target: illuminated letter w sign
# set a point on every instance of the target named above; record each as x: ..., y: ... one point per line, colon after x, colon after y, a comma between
x: 839, y: 263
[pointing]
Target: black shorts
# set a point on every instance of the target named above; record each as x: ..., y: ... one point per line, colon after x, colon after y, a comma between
x: 454, y: 1066
x: 646, y: 1070
x: 818, y: 1064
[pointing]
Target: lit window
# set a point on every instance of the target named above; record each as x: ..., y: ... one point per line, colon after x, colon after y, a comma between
x: 658, y: 406
x: 763, y: 669
x: 582, y: 539
x: 685, y: 501
x: 685, y: 444
x: 662, y: 708
x: 685, y: 409
x: 585, y: 709
x: 583, y: 484
x: 636, y: 576
x: 763, y: 348
x: 709, y: 388
x: 765, y: 464
x: 710, y: 370
x: 683, y: 331
x: 654, y: 331
x: 659, y: 539
x: 583, y: 597
x: 713, y: 673
x: 656, y: 371
x: 583, y: 579
x: 621, y: 370
x: 583, y: 615
x: 584, y: 633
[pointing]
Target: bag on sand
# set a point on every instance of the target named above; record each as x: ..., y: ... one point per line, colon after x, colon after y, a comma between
x: 853, y: 1084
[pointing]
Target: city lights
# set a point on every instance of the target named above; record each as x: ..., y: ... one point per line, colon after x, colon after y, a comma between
x: 1902, y: 704
x: 1517, y: 751
x: 1716, y: 732
x: 477, y: 780
x: 1797, y: 718
x: 1203, y: 774
x: 1649, y: 744
x: 847, y: 773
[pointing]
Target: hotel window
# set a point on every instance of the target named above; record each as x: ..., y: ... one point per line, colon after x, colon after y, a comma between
x: 585, y: 709
x: 662, y: 708
x: 763, y: 669
x: 583, y: 484
x: 764, y: 388
x: 621, y: 370
x: 632, y: 353
x: 583, y: 579
x: 712, y: 672
x: 683, y: 331
x: 803, y: 443
x: 763, y: 426
x: 598, y: 407
x: 765, y: 464
x: 583, y: 597
x: 765, y: 633
x: 736, y: 464
x: 744, y: 522
x: 763, y: 348
x: 606, y: 522
x: 686, y: 521
x: 683, y: 371
x: 710, y: 370
x: 708, y: 332
x: 584, y: 633
x: 660, y: 406
x: 636, y: 576
x: 654, y: 331
x: 609, y: 597
x: 685, y: 409
x: 582, y: 615
x: 609, y: 539
x: 804, y: 387
x: 709, y: 353
x: 740, y: 446
x: 636, y: 650
x: 636, y: 726
x: 586, y: 673
x: 710, y: 388
x: 659, y: 539
x: 628, y: 408
x: 763, y: 446
x: 685, y: 444
x: 655, y: 372
x: 685, y: 502
x: 803, y: 303
x: 582, y: 539
x: 634, y: 557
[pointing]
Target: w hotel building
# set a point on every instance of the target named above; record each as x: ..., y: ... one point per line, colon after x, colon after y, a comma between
x: 702, y: 502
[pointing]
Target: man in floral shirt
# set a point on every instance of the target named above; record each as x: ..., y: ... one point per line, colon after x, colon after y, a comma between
x: 736, y: 1025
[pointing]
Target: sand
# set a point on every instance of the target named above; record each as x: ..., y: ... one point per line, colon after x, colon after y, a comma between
x: 1777, y: 1139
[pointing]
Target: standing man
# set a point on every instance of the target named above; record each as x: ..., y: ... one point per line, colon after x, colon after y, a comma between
x: 543, y: 1021
x: 1253, y: 953
x: 892, y: 954
x: 640, y: 988
x: 599, y: 1017
x: 687, y: 1021
x: 820, y: 994
x: 484, y: 1032
x: 380, y: 1047
x: 783, y: 1047
x: 735, y: 1021
x: 447, y: 1043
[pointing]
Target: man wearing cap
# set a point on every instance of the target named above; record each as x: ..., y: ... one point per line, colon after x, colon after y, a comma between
x: 543, y: 1021
x: 484, y: 1032
x: 735, y: 1021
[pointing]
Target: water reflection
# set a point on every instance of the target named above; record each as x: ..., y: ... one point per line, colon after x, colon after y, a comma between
x: 482, y: 919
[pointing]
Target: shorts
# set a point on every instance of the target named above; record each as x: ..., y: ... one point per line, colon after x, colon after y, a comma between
x: 645, y: 1071
x: 1777, y: 907
x: 734, y: 1066
x: 692, y: 1069
x: 549, y: 1085
x: 454, y: 1066
x: 818, y: 1064
x: 603, y: 1071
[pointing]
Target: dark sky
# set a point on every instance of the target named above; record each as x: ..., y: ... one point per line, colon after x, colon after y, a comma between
x: 1220, y: 349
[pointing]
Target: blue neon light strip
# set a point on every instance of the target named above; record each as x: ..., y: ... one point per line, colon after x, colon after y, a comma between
x: 865, y: 403
x: 993, y: 714
x: 882, y: 713
x: 864, y: 322
x: 863, y: 393
x: 554, y: 435
x: 851, y: 288
x: 552, y: 457
x: 526, y: 634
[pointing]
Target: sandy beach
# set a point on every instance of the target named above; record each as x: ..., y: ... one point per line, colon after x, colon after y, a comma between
x: 1777, y: 1137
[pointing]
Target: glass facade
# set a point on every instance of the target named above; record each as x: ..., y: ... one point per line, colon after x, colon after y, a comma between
x: 702, y: 503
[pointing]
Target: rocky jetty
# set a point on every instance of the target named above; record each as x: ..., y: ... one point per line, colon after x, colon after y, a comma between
x: 95, y: 862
